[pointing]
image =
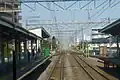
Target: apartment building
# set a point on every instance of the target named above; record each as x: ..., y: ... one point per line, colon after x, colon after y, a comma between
x: 10, y: 9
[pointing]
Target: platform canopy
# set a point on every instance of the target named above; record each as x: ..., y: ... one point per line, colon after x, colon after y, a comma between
x: 45, y: 34
x: 12, y: 30
x: 113, y: 28
x: 100, y: 40
x: 40, y: 31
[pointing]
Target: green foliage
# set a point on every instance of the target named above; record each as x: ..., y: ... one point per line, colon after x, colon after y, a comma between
x: 7, y: 51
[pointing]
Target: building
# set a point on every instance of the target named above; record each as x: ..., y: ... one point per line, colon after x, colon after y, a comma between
x: 102, y: 40
x: 41, y: 32
x: 114, y: 30
x: 10, y: 9
x: 99, y: 39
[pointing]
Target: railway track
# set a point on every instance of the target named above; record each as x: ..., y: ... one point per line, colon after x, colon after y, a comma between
x: 62, y: 68
x: 57, y: 71
x: 90, y: 71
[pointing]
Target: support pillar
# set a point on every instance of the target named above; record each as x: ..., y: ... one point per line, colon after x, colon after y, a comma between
x: 25, y: 49
x: 25, y: 46
x: 117, y: 45
x: 39, y: 44
x: 14, y: 65
x: 31, y: 44
x: 16, y: 49
x: 7, y: 50
x: 36, y: 45
x: 19, y: 54
x: 14, y: 58
x: 39, y: 47
x: 2, y: 48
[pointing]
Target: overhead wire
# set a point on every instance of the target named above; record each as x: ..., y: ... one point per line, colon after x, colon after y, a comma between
x: 100, y: 9
x: 115, y: 4
x: 97, y: 13
x: 104, y: 8
x: 58, y: 6
x: 29, y: 7
x: 102, y: 3
x: 100, y: 14
x: 71, y: 5
x: 44, y: 6
x: 86, y: 4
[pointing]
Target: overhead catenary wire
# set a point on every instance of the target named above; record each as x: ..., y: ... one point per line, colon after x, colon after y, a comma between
x: 58, y: 6
x: 86, y: 4
x: 29, y: 7
x: 102, y: 3
x: 115, y: 4
x: 34, y: 1
x: 71, y: 5
x: 100, y: 10
x: 44, y: 6
x: 97, y: 15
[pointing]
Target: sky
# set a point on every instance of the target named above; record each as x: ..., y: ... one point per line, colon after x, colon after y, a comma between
x: 74, y: 13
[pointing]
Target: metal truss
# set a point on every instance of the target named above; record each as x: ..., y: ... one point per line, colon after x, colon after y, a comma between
x: 64, y: 23
x: 55, y: 2
x: 34, y: 1
x: 100, y: 8
x: 88, y: 2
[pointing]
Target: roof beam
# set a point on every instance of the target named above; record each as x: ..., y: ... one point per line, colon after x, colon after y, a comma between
x: 35, y: 1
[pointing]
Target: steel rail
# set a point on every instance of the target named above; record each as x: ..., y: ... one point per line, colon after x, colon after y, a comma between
x: 84, y: 68
x: 62, y: 68
x: 93, y: 68
x: 53, y: 68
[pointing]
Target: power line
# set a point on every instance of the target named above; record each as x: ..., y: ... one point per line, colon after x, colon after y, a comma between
x: 115, y: 4
x: 71, y: 5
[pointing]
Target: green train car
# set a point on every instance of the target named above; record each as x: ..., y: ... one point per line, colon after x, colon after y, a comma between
x: 45, y: 48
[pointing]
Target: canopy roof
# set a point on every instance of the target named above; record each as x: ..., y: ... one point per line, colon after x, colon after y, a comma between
x: 12, y: 30
x: 113, y: 28
x: 42, y: 32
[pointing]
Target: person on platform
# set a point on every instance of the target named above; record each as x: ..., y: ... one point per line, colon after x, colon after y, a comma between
x: 28, y: 55
x: 39, y: 51
x: 33, y: 53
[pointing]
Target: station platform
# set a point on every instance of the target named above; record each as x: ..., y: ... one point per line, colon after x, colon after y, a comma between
x: 68, y: 66
x: 71, y: 70
x: 22, y: 66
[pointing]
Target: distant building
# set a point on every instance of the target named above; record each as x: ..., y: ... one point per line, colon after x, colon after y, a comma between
x: 40, y: 31
x: 101, y: 39
x: 98, y: 39
x: 8, y: 7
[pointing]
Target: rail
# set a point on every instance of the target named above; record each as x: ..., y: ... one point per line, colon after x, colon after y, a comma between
x: 53, y: 68
x: 88, y: 69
